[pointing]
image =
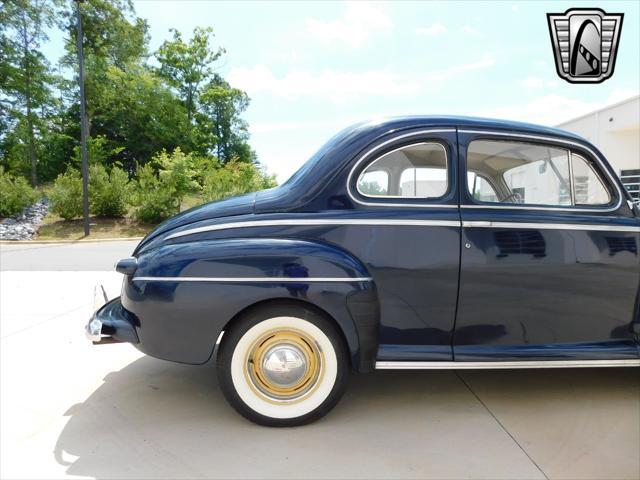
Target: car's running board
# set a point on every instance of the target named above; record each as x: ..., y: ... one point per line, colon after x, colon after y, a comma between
x: 435, y: 365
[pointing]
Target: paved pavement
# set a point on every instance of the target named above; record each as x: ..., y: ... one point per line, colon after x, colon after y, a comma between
x: 78, y: 256
x: 68, y: 408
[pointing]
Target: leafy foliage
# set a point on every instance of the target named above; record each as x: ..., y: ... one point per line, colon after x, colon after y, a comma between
x: 108, y: 191
x: 137, y: 114
x: 66, y: 194
x: 173, y: 128
x: 371, y: 188
x: 110, y: 38
x: 15, y: 194
x: 187, y: 65
x: 155, y: 200
x: 234, y: 178
x: 228, y: 134
x: 26, y: 79
x: 176, y: 172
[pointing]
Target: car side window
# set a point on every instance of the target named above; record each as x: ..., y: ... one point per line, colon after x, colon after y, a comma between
x: 533, y: 174
x: 413, y: 171
x: 588, y: 188
x: 374, y: 182
x: 481, y: 189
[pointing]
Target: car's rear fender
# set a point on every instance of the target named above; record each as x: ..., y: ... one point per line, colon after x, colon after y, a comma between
x: 184, y: 295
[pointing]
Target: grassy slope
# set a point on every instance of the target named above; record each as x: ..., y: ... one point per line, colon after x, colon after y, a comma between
x: 55, y: 228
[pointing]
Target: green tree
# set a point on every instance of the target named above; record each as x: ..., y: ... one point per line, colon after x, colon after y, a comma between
x: 110, y: 37
x: 224, y: 131
x: 138, y: 114
x: 187, y: 66
x: 127, y: 103
x: 25, y: 75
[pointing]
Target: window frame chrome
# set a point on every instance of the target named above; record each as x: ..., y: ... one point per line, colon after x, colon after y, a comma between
x: 492, y: 135
x: 426, y: 202
x: 409, y: 145
x: 596, y: 173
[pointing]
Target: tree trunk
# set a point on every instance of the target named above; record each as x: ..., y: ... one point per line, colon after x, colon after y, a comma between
x: 189, y: 108
x: 219, y: 138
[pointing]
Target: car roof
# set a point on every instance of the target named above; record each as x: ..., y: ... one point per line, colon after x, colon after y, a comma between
x: 461, y: 122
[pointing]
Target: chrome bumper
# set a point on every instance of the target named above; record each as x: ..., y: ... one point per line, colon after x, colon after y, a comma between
x: 93, y: 329
x: 110, y: 323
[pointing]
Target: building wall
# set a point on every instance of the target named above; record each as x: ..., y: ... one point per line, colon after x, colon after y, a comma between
x: 615, y: 130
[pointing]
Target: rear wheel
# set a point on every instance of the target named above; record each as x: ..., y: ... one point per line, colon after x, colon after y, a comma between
x: 282, y: 365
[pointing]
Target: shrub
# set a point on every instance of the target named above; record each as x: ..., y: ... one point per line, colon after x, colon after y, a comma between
x: 155, y: 200
x: 15, y: 194
x: 66, y: 194
x: 176, y: 170
x: 234, y: 178
x: 108, y: 192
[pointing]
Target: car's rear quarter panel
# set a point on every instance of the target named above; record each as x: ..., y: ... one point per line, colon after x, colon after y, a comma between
x: 185, y: 294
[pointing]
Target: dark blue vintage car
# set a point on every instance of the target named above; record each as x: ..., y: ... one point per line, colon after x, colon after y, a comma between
x: 411, y: 243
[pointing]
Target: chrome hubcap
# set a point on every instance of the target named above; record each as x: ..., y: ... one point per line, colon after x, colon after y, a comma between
x: 284, y: 365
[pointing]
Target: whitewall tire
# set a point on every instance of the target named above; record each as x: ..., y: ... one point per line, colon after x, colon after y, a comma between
x: 282, y: 365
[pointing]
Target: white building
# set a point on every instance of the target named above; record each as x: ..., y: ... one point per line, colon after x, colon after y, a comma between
x: 615, y: 130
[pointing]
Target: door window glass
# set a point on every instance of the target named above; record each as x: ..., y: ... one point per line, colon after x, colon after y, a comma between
x: 521, y: 173
x: 481, y: 189
x: 588, y: 188
x: 414, y: 171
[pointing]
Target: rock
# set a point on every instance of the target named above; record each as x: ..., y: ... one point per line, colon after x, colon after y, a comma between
x: 24, y: 225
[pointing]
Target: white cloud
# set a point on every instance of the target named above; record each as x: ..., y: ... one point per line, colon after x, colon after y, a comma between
x: 432, y: 30
x: 515, y: 7
x: 353, y: 28
x: 339, y: 86
x: 553, y: 109
x: 335, y: 85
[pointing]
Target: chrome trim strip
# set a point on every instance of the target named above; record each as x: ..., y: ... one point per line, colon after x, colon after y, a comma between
x: 435, y: 365
x: 557, y: 140
x: 384, y: 144
x: 572, y: 180
x: 314, y: 221
x: 253, y: 279
x: 550, y: 226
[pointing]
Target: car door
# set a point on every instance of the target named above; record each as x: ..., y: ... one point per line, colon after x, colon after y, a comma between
x: 406, y: 185
x: 549, y: 257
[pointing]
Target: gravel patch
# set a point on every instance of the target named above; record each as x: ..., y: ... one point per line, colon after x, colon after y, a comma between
x: 25, y: 225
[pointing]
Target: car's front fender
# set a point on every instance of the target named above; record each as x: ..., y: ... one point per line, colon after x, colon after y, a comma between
x: 184, y: 295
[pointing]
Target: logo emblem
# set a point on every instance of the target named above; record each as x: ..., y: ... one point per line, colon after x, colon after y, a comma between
x: 585, y: 43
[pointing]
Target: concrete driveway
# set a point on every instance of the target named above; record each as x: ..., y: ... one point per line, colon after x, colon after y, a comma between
x: 68, y: 408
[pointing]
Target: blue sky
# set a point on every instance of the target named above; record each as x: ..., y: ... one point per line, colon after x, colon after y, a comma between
x: 313, y: 68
